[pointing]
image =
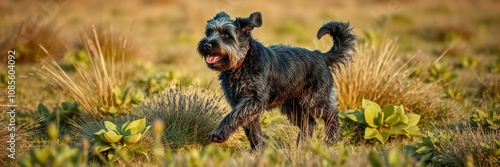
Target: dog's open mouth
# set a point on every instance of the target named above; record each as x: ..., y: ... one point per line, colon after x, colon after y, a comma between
x: 211, y: 59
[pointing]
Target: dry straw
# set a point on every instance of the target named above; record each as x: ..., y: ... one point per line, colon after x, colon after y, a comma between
x: 91, y: 88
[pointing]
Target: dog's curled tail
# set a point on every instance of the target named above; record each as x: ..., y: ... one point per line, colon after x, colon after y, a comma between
x: 343, y: 43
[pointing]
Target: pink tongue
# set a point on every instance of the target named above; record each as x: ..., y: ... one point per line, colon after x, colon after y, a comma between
x: 212, y: 59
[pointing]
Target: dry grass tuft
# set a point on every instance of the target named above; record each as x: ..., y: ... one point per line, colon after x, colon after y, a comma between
x: 27, y: 40
x: 92, y: 88
x: 378, y: 74
x: 113, y: 45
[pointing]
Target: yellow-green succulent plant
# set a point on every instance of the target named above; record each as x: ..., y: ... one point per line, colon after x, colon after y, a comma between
x: 121, y: 141
x: 381, y: 123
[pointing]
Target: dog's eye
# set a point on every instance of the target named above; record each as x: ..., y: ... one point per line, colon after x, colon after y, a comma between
x: 225, y: 36
x: 209, y: 33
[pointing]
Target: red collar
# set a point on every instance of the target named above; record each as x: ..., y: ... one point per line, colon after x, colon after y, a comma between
x: 241, y: 62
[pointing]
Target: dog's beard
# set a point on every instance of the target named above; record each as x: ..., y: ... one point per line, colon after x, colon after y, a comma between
x: 235, y: 54
x: 225, y: 58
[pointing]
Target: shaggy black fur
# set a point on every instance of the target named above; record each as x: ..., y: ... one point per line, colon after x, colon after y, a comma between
x: 256, y: 78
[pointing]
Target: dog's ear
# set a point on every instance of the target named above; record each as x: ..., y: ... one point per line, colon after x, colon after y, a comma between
x: 247, y: 24
x: 220, y: 15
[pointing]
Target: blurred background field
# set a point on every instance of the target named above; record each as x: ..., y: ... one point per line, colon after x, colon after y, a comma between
x: 440, y: 59
x: 165, y: 33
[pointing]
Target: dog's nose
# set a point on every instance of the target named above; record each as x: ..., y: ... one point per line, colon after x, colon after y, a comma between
x: 207, y: 46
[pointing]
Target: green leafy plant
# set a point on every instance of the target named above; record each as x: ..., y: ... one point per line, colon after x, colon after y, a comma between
x: 427, y: 151
x: 493, y: 150
x: 328, y: 159
x: 494, y: 67
x: 79, y: 59
x: 60, y: 115
x: 489, y: 119
x: 454, y: 93
x: 56, y: 154
x: 392, y: 158
x: 157, y: 82
x: 123, y: 101
x: 380, y: 124
x: 467, y: 61
x: 122, y: 141
x: 440, y: 72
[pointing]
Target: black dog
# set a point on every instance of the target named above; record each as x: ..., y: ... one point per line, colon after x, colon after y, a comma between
x: 256, y: 78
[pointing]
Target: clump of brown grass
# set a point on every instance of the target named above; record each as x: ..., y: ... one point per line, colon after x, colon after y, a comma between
x: 379, y: 75
x: 27, y: 38
x: 92, y: 88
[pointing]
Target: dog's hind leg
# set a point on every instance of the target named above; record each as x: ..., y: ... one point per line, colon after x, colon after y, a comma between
x: 329, y: 113
x: 304, y: 121
x: 321, y: 105
x: 255, y: 135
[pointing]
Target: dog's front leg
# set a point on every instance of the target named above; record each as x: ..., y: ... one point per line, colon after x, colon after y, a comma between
x: 245, y: 112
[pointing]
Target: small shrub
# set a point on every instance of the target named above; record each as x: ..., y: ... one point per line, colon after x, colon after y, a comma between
x: 493, y: 149
x: 121, y: 142
x: 427, y: 151
x: 440, y: 73
x: 381, y: 124
x: 59, y: 115
x: 189, y: 115
x: 489, y: 119
x: 454, y: 93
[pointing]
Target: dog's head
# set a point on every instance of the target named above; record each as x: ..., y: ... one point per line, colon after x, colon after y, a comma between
x: 226, y: 41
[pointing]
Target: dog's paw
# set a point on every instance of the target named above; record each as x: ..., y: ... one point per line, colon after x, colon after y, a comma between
x: 217, y: 137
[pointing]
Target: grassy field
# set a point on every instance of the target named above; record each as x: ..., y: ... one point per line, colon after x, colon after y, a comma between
x: 84, y: 71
